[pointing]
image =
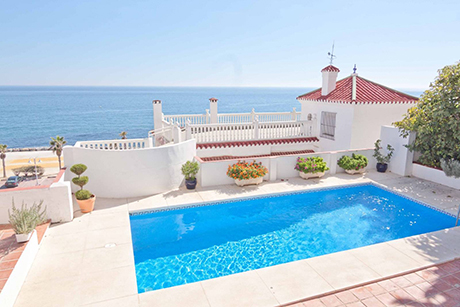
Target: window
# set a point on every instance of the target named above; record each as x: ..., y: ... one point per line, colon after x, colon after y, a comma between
x: 328, y: 125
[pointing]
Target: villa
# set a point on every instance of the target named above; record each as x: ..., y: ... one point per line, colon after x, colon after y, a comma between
x: 348, y: 236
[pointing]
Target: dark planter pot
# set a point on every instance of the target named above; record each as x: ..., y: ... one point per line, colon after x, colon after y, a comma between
x: 382, y: 167
x: 190, y: 184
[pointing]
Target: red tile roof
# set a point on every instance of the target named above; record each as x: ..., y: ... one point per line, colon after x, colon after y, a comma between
x: 330, y: 68
x: 273, y: 154
x: 366, y: 92
x: 257, y: 142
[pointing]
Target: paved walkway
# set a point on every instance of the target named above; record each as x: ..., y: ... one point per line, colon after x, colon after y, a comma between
x: 435, y: 286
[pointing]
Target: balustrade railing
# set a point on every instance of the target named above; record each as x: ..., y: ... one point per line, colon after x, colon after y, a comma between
x: 250, y: 131
x: 182, y: 119
x: 128, y: 144
x: 232, y: 118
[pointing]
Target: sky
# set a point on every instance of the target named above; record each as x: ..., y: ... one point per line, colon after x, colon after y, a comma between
x: 400, y: 44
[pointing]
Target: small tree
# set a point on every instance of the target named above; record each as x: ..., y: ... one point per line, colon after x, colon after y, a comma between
x: 3, y: 156
x: 379, y: 156
x: 436, y: 119
x: 56, y: 145
x: 123, y: 135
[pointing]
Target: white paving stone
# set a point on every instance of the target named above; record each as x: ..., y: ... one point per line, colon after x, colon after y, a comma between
x: 73, y: 267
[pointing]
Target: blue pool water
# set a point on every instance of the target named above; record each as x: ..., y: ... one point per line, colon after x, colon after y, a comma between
x: 192, y: 244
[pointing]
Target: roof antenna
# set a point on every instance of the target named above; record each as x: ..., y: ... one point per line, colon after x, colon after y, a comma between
x: 354, y: 69
x: 331, y: 54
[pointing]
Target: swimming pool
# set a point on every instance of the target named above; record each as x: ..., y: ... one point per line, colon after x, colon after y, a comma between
x: 175, y: 247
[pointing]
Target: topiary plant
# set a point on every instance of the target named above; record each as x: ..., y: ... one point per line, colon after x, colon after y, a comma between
x: 355, y: 162
x: 80, y: 181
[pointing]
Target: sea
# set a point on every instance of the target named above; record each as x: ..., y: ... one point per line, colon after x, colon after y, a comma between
x: 31, y: 115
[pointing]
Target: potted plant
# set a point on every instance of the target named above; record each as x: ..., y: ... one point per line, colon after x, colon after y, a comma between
x: 189, y: 170
x: 382, y: 161
x: 24, y: 220
x: 85, y: 198
x: 311, y: 167
x: 355, y: 164
x: 246, y: 173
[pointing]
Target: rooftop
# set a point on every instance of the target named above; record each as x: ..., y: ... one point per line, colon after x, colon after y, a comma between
x: 366, y: 92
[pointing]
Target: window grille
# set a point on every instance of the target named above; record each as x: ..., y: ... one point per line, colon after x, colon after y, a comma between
x: 328, y: 125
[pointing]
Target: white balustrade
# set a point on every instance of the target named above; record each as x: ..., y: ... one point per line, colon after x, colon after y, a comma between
x: 232, y: 118
x: 128, y: 144
x: 255, y: 130
x: 198, y: 119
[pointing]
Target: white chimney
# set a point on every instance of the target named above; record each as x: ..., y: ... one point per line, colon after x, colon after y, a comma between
x: 329, y: 79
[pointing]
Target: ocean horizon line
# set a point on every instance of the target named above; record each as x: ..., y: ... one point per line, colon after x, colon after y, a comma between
x: 185, y: 86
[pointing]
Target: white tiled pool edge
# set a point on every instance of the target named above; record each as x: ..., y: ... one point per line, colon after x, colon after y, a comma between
x: 293, y: 281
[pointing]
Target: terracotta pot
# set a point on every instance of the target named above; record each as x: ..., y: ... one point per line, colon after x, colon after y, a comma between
x: 311, y: 175
x: 241, y: 183
x: 87, y: 205
x: 355, y: 171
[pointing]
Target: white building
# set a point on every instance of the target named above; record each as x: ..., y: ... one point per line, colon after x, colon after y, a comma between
x: 352, y: 110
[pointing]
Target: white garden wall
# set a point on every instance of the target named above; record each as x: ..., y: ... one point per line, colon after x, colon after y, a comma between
x: 214, y: 173
x: 401, y: 162
x: 57, y: 198
x: 131, y: 173
x: 434, y: 175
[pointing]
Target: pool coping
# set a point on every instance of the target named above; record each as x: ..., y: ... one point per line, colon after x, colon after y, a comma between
x: 215, y: 291
x: 137, y: 212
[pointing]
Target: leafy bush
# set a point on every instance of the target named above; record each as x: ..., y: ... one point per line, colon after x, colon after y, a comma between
x: 378, y: 155
x: 435, y: 119
x: 83, y: 194
x: 355, y: 162
x: 190, y: 169
x: 451, y: 167
x: 244, y: 170
x: 311, y: 165
x: 78, y: 169
x: 80, y: 181
x: 25, y: 220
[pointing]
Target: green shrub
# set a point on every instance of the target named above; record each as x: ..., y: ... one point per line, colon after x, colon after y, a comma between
x: 25, y: 220
x: 355, y: 162
x: 80, y: 181
x: 451, y: 167
x: 378, y: 155
x: 311, y: 165
x: 83, y: 194
x: 78, y: 169
x: 190, y: 169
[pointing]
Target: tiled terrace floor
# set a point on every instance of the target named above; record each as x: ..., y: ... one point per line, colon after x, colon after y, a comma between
x: 78, y: 264
x: 10, y: 250
x: 435, y: 286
